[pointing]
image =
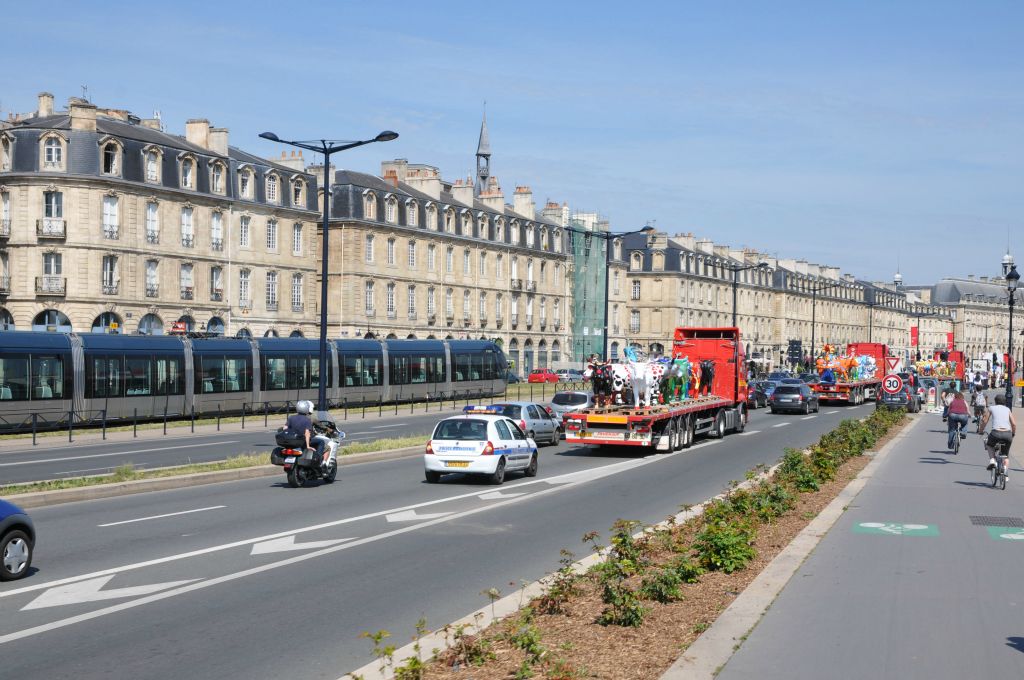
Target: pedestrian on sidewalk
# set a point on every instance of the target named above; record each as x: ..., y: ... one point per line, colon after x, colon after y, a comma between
x: 959, y: 415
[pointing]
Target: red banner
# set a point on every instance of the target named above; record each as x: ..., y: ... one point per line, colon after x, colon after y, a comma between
x: 913, y: 336
x: 949, y: 341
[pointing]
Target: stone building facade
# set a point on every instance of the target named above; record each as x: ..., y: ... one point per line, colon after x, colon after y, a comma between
x: 110, y: 224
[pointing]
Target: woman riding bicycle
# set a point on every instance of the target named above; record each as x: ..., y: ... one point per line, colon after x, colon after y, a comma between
x: 1004, y: 428
x: 957, y: 417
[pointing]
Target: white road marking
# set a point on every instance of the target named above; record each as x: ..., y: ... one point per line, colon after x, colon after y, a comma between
x: 500, y: 495
x: 829, y: 413
x: 385, y: 427
x: 748, y: 433
x: 780, y: 425
x: 35, y: 461
x: 169, y: 514
x: 89, y: 591
x: 412, y: 516
x: 288, y: 544
x: 808, y: 417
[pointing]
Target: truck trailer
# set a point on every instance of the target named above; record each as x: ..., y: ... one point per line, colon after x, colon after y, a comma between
x: 856, y: 391
x: 674, y: 425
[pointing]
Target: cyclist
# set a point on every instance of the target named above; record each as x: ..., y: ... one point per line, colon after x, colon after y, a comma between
x: 980, y: 403
x: 958, y: 416
x: 1004, y: 428
x: 947, y: 399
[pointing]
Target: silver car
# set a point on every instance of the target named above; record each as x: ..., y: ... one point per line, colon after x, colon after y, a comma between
x: 567, y: 402
x: 533, y: 419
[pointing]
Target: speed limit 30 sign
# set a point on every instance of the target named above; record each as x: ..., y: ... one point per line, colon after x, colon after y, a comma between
x: 892, y: 384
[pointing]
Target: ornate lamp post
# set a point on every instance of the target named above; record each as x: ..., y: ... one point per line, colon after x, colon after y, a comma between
x: 1012, y: 279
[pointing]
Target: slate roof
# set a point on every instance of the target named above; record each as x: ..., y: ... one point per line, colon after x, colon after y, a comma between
x: 952, y: 291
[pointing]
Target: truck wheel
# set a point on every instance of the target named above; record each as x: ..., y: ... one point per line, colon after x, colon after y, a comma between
x: 718, y: 431
x: 679, y: 432
x: 687, y: 432
x: 741, y: 419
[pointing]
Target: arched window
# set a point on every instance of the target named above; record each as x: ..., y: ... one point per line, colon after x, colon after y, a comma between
x: 5, y: 153
x: 243, y: 333
x: 558, y: 240
x: 411, y: 213
x: 615, y: 351
x: 431, y: 217
x: 151, y: 324
x: 449, y: 303
x: 217, y: 174
x: 215, y: 326
x: 529, y: 238
x: 449, y: 221
x: 245, y: 185
x: 499, y: 230
x: 391, y: 210
x: 271, y: 333
x: 467, y: 308
x: 528, y: 361
x: 51, y: 320
x: 272, y: 193
x: 190, y: 323
x: 542, y: 353
x: 107, y: 322
x: 556, y: 352
x: 110, y: 161
x: 6, y: 321
x: 188, y: 173
x: 53, y: 153
x: 298, y: 193
x: 389, y: 300
x: 513, y: 355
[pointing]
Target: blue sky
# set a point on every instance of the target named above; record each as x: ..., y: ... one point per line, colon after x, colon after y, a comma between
x: 848, y: 133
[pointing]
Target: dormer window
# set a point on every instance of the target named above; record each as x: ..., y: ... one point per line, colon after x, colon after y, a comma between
x: 217, y: 178
x: 188, y: 173
x: 245, y: 183
x: 53, y: 151
x: 467, y: 224
x: 151, y: 161
x: 411, y: 214
x: 298, y: 193
x: 5, y: 153
x: 111, y: 158
x: 272, y: 196
x: 484, y: 225
x: 449, y: 221
x: 499, y: 230
x: 529, y: 237
x: 431, y: 217
x: 391, y: 210
x: 369, y: 205
x: 558, y: 240
x: 515, y: 233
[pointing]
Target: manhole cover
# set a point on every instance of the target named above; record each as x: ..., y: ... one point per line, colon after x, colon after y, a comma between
x: 986, y: 521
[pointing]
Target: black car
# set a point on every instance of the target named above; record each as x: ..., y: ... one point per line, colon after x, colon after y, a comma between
x: 757, y: 397
x: 911, y: 381
x: 905, y: 398
x: 799, y: 398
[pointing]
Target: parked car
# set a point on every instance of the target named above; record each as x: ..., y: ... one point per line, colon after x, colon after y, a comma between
x: 533, y: 419
x: 567, y: 402
x: 800, y: 398
x: 910, y: 379
x: 569, y: 375
x: 481, y: 441
x: 756, y: 396
x: 810, y: 378
x: 542, y: 375
x: 17, y: 540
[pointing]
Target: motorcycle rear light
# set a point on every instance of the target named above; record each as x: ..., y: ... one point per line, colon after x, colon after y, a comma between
x: 430, y: 449
x: 488, y: 450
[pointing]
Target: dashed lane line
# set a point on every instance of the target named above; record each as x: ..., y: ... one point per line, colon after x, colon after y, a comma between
x: 780, y: 425
x: 169, y: 514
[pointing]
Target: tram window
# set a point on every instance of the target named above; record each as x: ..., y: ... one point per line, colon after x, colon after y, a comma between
x: 371, y: 371
x: 106, y: 377
x: 47, y: 377
x: 298, y: 372
x: 435, y: 369
x: 462, y: 367
x: 139, y: 376
x: 170, y: 379
x: 418, y: 370
x: 353, y: 371
x: 14, y: 377
x: 314, y: 372
x: 490, y: 366
x: 275, y: 373
x: 237, y: 374
x: 399, y: 370
x: 210, y: 377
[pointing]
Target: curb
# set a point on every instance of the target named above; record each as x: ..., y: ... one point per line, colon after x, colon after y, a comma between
x: 709, y: 653
x: 40, y: 499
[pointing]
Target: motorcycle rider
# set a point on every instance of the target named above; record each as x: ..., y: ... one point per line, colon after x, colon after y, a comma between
x: 300, y: 421
x: 321, y: 434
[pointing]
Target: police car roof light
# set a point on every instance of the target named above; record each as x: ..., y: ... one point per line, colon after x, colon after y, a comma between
x: 482, y: 409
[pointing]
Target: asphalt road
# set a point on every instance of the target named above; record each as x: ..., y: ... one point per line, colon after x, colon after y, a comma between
x: 56, y: 459
x: 252, y: 579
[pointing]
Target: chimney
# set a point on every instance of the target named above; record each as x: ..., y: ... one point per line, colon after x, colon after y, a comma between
x: 83, y: 114
x: 492, y: 196
x: 685, y: 240
x: 706, y: 246
x: 522, y: 202
x: 462, y: 191
x: 658, y: 240
x: 197, y: 131
x: 45, y: 104
x: 721, y: 251
x: 970, y: 277
x: 219, y: 141
x: 151, y: 123
x: 397, y: 168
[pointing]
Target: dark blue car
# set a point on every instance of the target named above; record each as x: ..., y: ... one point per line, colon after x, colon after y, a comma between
x: 17, y: 538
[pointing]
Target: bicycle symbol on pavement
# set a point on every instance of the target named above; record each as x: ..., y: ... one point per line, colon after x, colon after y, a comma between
x: 1006, y: 533
x: 896, y: 529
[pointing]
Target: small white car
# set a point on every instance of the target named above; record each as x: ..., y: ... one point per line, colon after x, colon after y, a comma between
x: 481, y: 441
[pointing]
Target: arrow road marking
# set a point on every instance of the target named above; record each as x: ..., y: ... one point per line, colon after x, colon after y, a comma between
x: 500, y: 495
x: 169, y: 514
x: 412, y: 516
x: 89, y: 591
x: 288, y: 543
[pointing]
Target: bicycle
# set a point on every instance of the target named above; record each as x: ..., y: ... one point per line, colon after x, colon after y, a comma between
x: 1002, y: 456
x: 958, y: 435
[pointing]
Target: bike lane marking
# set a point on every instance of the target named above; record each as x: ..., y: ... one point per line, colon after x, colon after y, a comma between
x: 1005, y: 533
x: 896, y: 529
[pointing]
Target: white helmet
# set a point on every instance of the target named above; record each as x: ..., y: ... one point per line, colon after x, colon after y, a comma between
x: 304, y: 407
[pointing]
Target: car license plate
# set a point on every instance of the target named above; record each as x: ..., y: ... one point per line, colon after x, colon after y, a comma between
x: 456, y: 463
x: 289, y: 460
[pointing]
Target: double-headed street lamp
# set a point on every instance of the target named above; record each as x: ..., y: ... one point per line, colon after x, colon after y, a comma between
x: 1012, y: 278
x: 736, y: 269
x: 327, y: 147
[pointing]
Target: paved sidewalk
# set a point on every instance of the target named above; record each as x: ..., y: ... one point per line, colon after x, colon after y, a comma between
x: 911, y: 582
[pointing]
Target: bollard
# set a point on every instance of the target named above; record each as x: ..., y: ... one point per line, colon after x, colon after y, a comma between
x: 412, y: 406
x: 165, y: 421
x: 344, y: 406
x: 380, y: 406
x: 243, y: 415
x: 71, y: 423
x: 104, y: 424
x: 135, y: 423
x: 364, y: 409
x: 193, y: 418
x: 265, y: 414
x: 531, y: 391
x: 34, y: 416
x: 455, y: 394
x: 218, y: 417
x: 396, y: 407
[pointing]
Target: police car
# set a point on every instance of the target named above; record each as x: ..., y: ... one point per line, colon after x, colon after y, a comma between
x: 481, y: 441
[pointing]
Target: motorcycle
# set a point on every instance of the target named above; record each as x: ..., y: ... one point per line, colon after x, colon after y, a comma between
x: 302, y: 465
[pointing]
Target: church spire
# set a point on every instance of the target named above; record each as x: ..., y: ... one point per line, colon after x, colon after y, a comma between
x: 483, y: 157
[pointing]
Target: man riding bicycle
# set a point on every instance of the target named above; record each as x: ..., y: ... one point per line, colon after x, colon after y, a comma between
x: 980, y: 403
x: 1004, y: 428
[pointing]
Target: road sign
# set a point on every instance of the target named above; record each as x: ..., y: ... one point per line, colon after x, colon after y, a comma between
x: 892, y: 362
x: 892, y: 384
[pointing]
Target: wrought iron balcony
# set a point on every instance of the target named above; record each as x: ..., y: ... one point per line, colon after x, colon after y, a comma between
x: 111, y: 231
x: 187, y: 293
x: 431, y: 318
x: 152, y: 290
x: 216, y: 294
x: 217, y: 244
x: 298, y: 307
x: 245, y: 303
x: 370, y: 311
x: 531, y: 286
x: 5, y: 228
x: 188, y: 241
x: 517, y: 284
x: 111, y: 288
x: 51, y: 285
x: 514, y: 320
x: 152, y: 236
x: 51, y: 227
x: 529, y: 320
x: 272, y: 306
x: 5, y: 284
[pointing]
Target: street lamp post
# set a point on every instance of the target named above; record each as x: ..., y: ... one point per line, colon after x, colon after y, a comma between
x: 326, y: 147
x: 736, y: 269
x: 1012, y: 278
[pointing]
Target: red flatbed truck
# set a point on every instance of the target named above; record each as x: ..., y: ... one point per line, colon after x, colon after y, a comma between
x: 674, y: 426
x: 857, y: 391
